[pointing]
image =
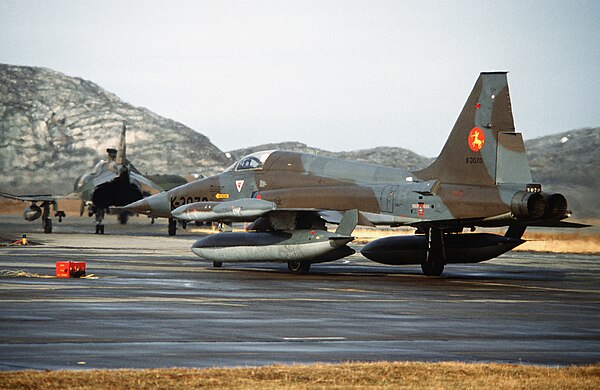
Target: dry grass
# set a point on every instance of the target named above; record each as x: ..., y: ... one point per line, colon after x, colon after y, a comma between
x: 9, y: 206
x: 561, y: 242
x: 319, y: 376
x: 16, y: 207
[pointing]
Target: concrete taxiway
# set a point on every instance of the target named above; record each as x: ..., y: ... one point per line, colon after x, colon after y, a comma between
x: 155, y: 304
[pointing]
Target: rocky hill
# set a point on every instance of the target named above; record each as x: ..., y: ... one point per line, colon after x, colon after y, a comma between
x: 384, y: 155
x: 569, y: 163
x: 54, y: 127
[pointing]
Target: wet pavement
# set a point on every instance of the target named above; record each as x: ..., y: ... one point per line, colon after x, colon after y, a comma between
x: 154, y: 303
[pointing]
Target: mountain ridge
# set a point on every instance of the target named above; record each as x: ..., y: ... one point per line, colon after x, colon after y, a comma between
x: 62, y: 125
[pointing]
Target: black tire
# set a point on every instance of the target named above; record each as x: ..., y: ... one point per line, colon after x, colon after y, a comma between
x: 433, y: 265
x: 101, y: 229
x: 217, y: 264
x: 432, y: 268
x: 97, y: 228
x: 298, y: 267
x: 48, y: 226
x: 123, y: 218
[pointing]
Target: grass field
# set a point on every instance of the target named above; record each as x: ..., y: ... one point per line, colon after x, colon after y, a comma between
x: 381, y: 375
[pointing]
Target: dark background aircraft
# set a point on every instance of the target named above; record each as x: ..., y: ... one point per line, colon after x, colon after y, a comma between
x: 112, y: 182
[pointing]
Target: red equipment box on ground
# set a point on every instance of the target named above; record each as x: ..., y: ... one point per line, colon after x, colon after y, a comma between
x: 70, y: 269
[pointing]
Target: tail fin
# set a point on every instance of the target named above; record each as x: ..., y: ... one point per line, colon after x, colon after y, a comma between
x: 121, y: 156
x: 483, y: 148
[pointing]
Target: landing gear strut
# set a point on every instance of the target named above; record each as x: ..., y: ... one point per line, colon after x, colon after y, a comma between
x: 172, y: 227
x: 99, y: 218
x: 123, y: 218
x: 433, y: 265
x: 46, y: 220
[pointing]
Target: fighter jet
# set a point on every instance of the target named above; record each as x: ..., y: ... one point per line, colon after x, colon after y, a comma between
x: 112, y: 182
x: 480, y: 179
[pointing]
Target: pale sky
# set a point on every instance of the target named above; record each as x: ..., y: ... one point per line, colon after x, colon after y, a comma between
x: 338, y: 75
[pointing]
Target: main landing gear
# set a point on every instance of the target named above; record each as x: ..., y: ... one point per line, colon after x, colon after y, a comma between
x: 46, y: 220
x: 433, y: 265
x: 99, y: 218
x: 172, y: 227
x: 123, y: 218
x: 298, y: 267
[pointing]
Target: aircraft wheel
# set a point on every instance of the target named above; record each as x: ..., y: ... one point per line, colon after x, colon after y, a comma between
x: 433, y: 265
x: 99, y: 228
x: 123, y: 218
x: 48, y: 226
x: 217, y: 264
x: 432, y: 269
x: 298, y: 267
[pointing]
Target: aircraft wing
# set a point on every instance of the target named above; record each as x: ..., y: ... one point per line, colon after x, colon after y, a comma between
x: 147, y: 185
x: 30, y: 198
x: 250, y: 209
x: 501, y: 221
x: 40, y: 198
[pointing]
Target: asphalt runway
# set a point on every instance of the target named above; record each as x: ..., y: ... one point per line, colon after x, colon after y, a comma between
x: 155, y: 304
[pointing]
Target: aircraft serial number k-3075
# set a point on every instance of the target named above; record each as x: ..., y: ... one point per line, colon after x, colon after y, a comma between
x: 480, y: 179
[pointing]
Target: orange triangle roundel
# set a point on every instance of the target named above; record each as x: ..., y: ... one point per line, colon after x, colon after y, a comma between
x: 476, y: 139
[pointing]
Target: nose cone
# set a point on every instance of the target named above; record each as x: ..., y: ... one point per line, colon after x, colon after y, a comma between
x: 155, y: 206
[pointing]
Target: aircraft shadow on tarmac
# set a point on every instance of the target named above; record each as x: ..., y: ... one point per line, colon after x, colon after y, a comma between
x: 334, y: 271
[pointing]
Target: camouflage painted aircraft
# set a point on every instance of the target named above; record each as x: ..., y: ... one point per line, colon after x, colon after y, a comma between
x: 480, y: 179
x: 114, y: 182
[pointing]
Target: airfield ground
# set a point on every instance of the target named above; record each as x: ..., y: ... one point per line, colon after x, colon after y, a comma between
x: 153, y: 304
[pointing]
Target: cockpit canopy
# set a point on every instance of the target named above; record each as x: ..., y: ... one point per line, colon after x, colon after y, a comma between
x: 254, y: 161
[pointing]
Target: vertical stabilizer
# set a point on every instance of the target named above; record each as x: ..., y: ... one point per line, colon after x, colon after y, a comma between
x: 470, y: 153
x: 121, y: 157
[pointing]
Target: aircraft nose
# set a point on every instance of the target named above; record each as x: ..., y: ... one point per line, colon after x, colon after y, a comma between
x: 141, y: 207
x: 156, y: 206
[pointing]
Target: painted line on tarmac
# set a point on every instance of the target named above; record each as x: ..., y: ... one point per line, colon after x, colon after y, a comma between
x: 317, y: 338
x: 496, y: 284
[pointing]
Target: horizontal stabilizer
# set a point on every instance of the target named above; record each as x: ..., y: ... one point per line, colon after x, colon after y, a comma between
x: 348, y: 223
x: 557, y: 224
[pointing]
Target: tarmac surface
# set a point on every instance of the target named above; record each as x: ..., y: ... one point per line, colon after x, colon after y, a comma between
x: 154, y: 303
